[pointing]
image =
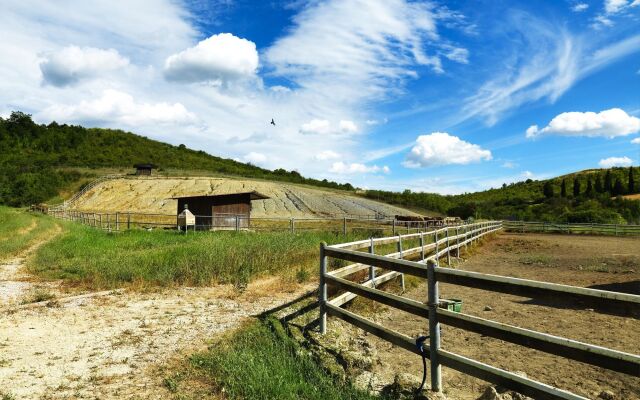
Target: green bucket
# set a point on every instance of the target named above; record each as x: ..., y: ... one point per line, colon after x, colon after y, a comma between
x: 454, y: 305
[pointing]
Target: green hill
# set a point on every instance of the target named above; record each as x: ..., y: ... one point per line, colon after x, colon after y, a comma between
x: 598, y: 197
x: 35, y: 159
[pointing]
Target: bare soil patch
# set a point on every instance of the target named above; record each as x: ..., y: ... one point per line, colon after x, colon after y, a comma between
x: 588, y: 261
x: 111, y: 347
x: 153, y: 195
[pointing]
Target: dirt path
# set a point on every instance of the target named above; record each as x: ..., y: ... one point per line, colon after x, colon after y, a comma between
x: 603, y: 262
x: 110, y: 346
x: 15, y: 283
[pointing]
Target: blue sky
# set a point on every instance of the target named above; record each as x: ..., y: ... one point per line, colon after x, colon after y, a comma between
x: 433, y: 96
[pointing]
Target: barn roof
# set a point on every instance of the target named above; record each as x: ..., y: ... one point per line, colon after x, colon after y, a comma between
x: 252, y: 195
x: 145, y: 166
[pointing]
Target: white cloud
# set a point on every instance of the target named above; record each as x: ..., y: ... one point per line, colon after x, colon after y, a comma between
x: 351, y: 50
x: 615, y: 162
x: 509, y: 164
x: 326, y: 155
x: 119, y: 107
x: 440, y: 148
x: 223, y: 57
x: 316, y: 126
x: 635, y: 141
x: 72, y: 64
x: 324, y: 127
x: 579, y: 7
x: 340, y: 167
x: 608, y: 123
x: 348, y: 127
x: 254, y: 158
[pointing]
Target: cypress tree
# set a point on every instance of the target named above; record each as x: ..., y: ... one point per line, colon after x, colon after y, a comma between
x: 547, y: 189
x: 632, y: 183
x: 563, y: 188
x: 599, y: 187
x: 589, y: 191
x: 608, y: 187
x: 576, y: 187
x: 618, y: 189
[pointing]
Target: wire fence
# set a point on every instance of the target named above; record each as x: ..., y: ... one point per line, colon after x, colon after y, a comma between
x: 572, y: 228
x: 123, y: 221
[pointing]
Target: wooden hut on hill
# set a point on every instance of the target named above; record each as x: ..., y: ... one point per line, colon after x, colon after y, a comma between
x: 144, y: 169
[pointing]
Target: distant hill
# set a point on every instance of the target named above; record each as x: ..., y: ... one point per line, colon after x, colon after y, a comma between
x: 601, y: 196
x: 32, y: 158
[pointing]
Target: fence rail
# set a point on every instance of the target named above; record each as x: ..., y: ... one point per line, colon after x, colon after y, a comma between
x: 121, y: 221
x: 572, y: 228
x: 427, y: 267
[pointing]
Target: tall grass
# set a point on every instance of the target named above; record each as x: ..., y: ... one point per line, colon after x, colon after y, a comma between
x: 98, y: 259
x: 18, y: 230
x: 259, y: 362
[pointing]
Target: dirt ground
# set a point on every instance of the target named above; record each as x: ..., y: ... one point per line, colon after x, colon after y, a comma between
x: 153, y: 195
x: 112, y: 346
x: 601, y: 262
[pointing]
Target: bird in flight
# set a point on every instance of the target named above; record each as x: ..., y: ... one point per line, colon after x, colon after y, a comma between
x: 273, y: 122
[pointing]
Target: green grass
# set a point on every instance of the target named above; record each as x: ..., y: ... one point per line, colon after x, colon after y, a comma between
x: 19, y: 229
x: 100, y: 260
x: 259, y: 361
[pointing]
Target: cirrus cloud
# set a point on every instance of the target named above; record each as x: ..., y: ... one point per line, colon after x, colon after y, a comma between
x: 440, y: 148
x: 615, y: 162
x: 324, y: 127
x: 223, y: 57
x: 72, y: 64
x: 636, y: 141
x: 357, y: 168
x: 608, y: 123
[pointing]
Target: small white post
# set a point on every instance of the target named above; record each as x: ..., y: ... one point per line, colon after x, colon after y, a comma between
x: 372, y: 269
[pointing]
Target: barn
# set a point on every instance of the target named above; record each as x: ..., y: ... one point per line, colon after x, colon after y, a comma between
x: 144, y: 169
x: 220, y: 211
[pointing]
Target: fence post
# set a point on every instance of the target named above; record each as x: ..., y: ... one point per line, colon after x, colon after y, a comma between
x: 394, y: 226
x: 322, y: 290
x: 433, y: 298
x: 616, y: 227
x: 292, y: 226
x: 129, y: 221
x: 117, y: 221
x: 448, y: 249
x: 109, y: 222
x: 372, y: 269
x: 421, y: 246
x: 458, y: 242
x: 237, y: 223
x: 435, y: 236
x: 100, y: 215
x: 344, y: 226
x: 401, y: 257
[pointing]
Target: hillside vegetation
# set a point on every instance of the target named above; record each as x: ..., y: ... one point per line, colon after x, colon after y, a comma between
x: 599, y: 196
x: 32, y: 158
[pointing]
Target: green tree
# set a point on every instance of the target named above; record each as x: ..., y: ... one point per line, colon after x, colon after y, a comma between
x: 576, y: 187
x: 608, y: 184
x: 589, y: 191
x: 547, y: 189
x: 563, y: 188
x: 599, y: 187
x: 632, y: 182
x: 618, y: 189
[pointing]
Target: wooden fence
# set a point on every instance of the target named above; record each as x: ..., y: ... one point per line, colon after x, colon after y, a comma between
x: 443, y: 243
x: 121, y: 221
x: 572, y: 228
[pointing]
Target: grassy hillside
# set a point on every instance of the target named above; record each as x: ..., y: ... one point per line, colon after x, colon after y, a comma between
x: 599, y: 195
x: 33, y: 158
